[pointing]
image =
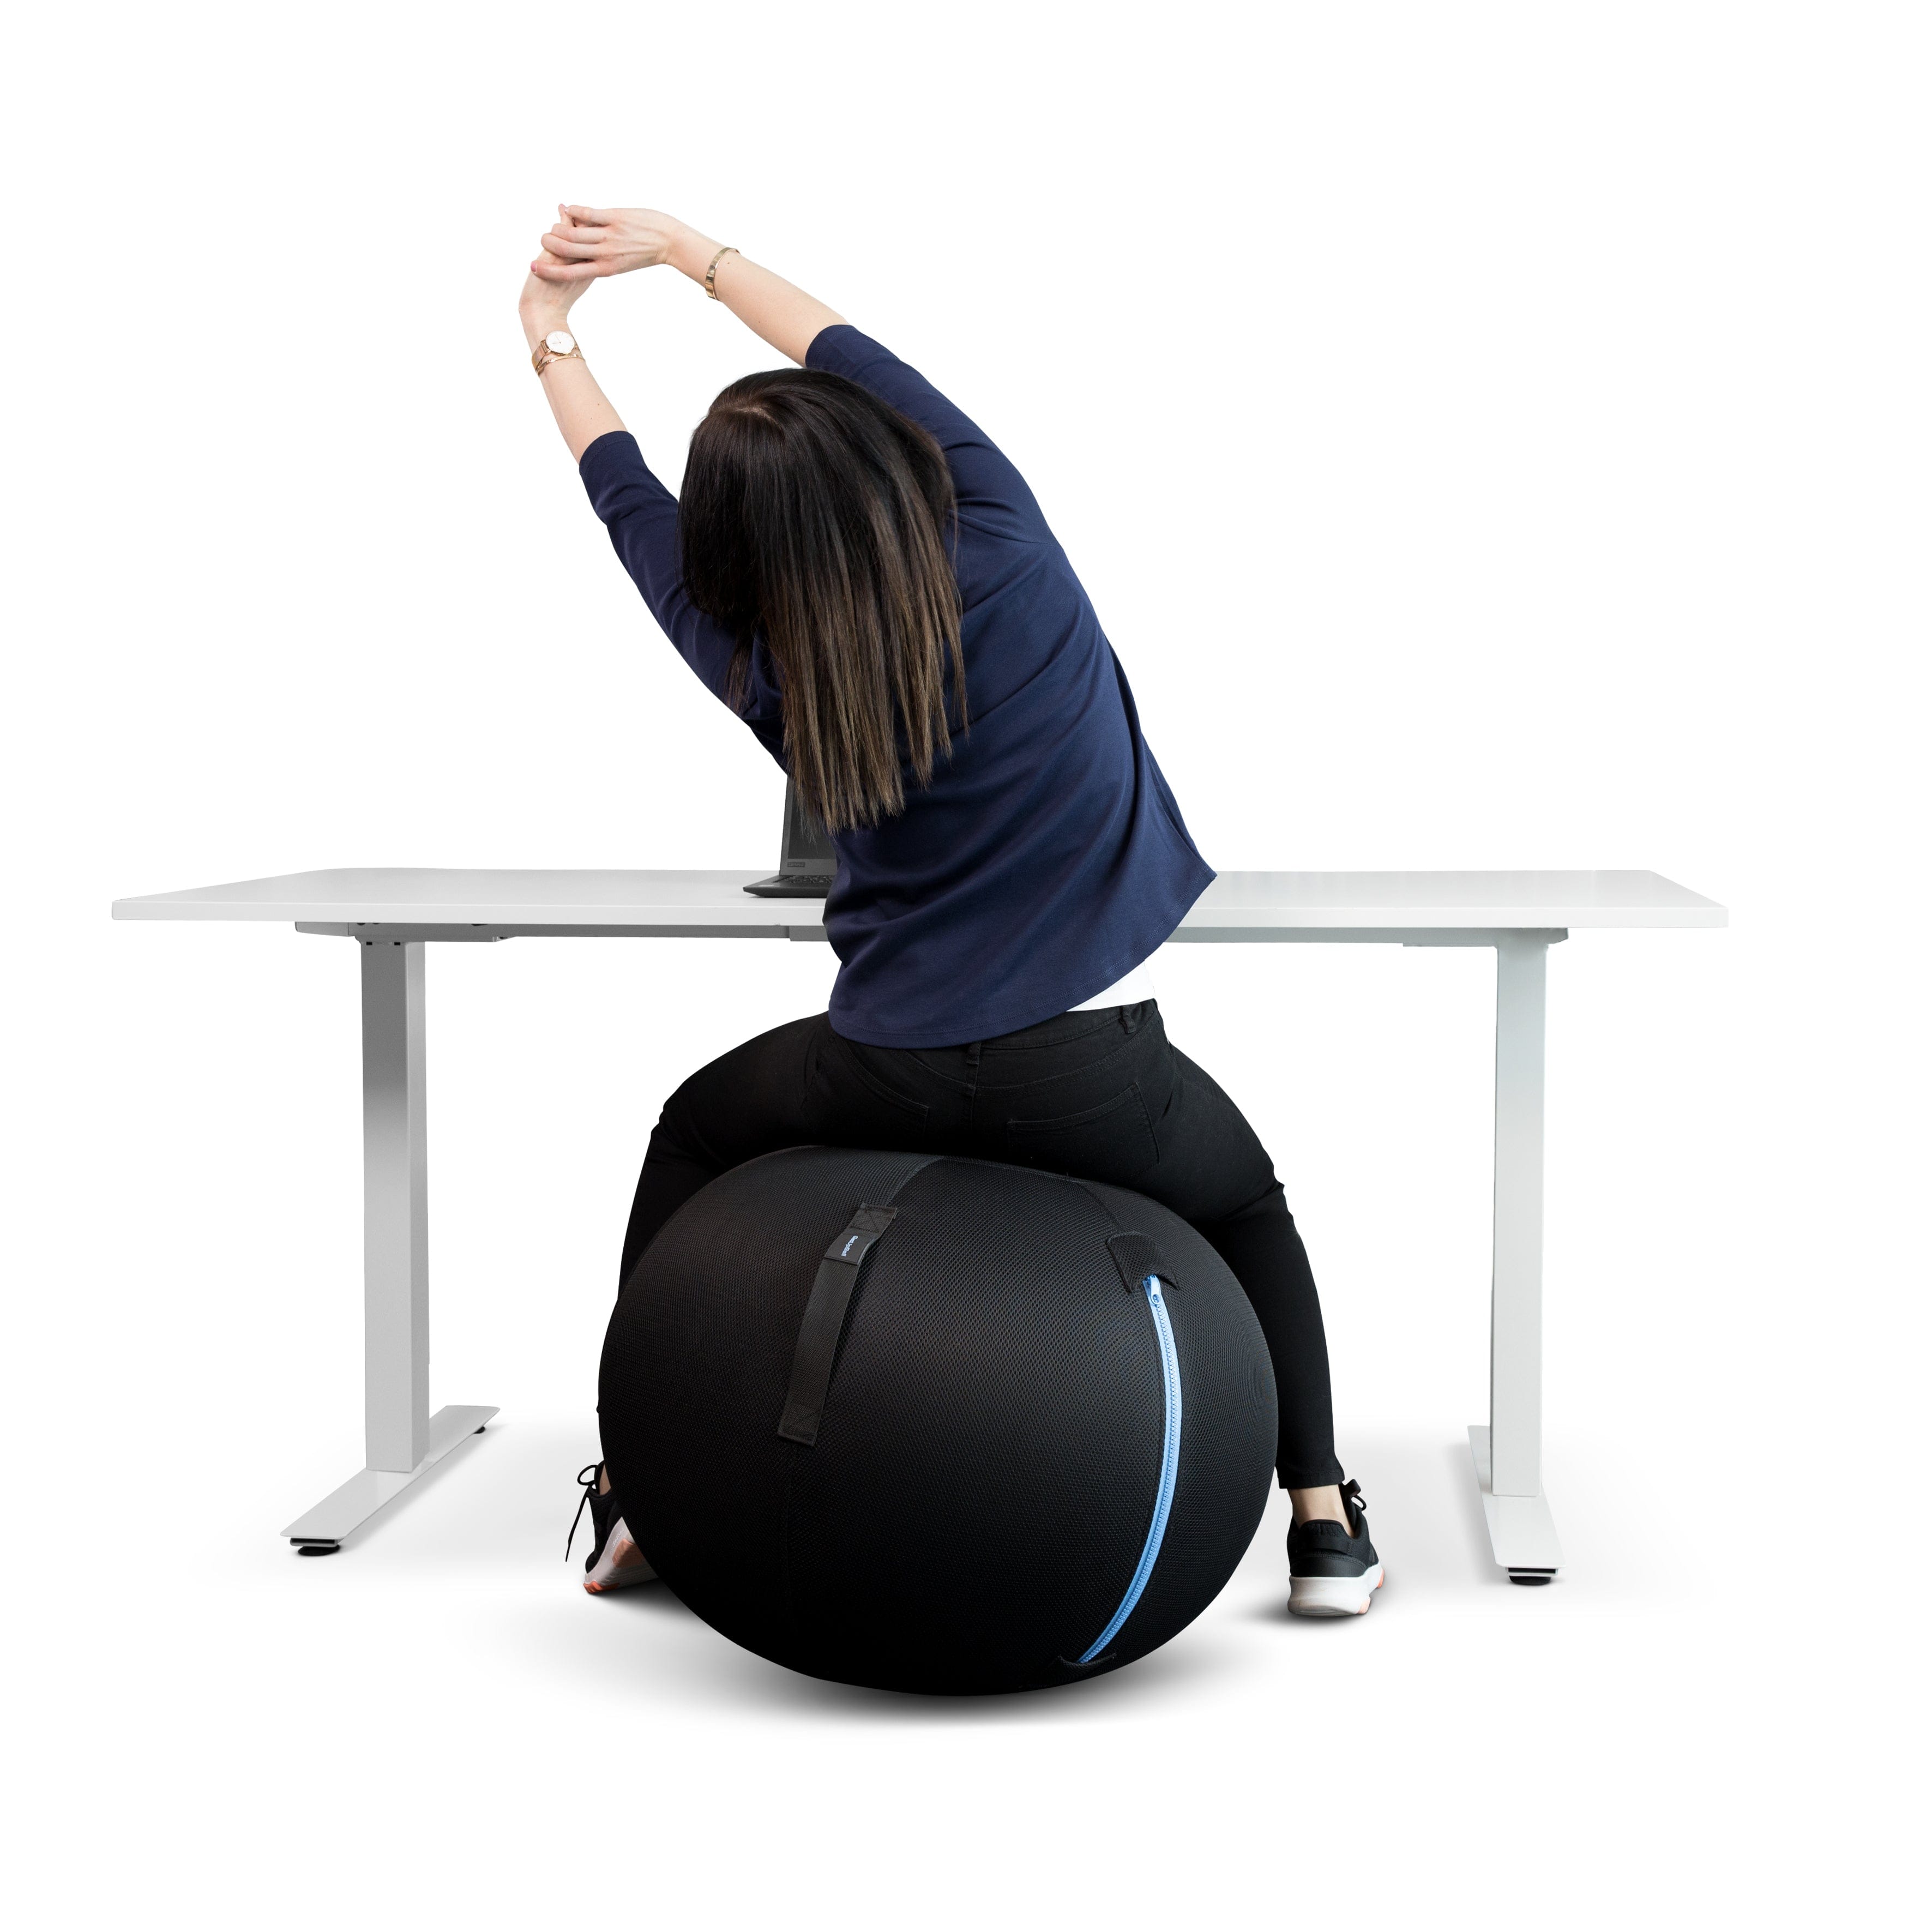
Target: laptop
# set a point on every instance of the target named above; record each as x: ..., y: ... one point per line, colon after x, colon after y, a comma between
x: 806, y: 861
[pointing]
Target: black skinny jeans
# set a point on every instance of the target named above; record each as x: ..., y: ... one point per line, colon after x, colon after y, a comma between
x: 1099, y: 1094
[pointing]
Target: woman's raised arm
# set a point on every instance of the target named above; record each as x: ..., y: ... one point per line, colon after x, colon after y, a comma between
x: 588, y: 242
x: 583, y: 411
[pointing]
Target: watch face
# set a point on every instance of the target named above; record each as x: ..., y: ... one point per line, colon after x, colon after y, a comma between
x: 560, y: 341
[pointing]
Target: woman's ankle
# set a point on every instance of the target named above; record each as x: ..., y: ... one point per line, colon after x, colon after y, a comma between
x: 1322, y: 1505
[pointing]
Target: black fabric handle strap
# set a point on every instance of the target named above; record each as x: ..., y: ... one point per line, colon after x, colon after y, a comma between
x: 824, y: 1321
x: 1137, y: 1257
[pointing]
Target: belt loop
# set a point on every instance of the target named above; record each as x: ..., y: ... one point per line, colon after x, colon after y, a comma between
x: 1130, y: 1021
x: 973, y: 1068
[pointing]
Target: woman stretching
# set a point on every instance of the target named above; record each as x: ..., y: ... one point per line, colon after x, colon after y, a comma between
x: 860, y: 573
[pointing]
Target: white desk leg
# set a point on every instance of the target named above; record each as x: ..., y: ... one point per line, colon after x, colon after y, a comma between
x: 402, y: 1439
x: 1508, y: 1453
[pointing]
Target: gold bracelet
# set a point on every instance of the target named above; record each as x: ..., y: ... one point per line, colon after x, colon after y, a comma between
x: 711, y: 273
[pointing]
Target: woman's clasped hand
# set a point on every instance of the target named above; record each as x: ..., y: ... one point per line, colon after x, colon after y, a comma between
x: 584, y: 243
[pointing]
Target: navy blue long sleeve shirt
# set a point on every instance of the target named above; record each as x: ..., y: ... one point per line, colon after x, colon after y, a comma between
x: 1047, y: 859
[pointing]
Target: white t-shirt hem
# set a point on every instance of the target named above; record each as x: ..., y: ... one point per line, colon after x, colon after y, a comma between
x: 1137, y: 985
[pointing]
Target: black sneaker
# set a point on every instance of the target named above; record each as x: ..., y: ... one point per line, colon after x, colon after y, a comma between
x: 615, y: 1562
x: 1333, y: 1572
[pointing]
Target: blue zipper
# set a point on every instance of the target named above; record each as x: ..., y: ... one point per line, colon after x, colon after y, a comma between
x: 1170, y: 1466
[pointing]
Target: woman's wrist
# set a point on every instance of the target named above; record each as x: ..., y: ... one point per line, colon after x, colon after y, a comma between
x: 691, y: 253
x: 538, y: 323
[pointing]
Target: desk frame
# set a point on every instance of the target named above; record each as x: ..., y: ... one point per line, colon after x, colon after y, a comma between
x: 403, y: 1439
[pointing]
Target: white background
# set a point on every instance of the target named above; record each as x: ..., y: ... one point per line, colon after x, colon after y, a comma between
x: 1491, y: 435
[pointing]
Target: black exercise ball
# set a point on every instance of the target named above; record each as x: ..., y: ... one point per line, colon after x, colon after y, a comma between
x: 936, y: 1425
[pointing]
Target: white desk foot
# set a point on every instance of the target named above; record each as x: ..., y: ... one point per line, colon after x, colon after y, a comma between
x: 1521, y: 1531
x: 369, y: 1490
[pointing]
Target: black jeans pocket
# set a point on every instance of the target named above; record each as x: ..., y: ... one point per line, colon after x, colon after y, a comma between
x: 851, y: 1057
x: 1113, y: 1142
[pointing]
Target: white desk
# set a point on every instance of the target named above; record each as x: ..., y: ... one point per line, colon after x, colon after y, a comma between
x: 392, y: 913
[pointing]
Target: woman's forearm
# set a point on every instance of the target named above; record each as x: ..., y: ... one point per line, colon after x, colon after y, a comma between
x: 583, y: 411
x: 767, y: 304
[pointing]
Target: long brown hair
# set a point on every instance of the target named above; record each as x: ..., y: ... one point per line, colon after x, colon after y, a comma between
x: 815, y: 515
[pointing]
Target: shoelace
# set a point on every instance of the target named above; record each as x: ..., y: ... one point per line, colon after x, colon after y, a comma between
x: 1353, y: 1504
x: 586, y: 1477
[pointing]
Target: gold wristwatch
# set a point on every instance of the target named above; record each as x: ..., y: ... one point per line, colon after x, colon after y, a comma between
x: 557, y: 344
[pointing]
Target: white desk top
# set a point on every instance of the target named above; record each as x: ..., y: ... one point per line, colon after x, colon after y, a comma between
x: 714, y: 901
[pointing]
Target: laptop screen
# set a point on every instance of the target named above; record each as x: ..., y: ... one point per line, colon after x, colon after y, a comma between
x: 806, y: 846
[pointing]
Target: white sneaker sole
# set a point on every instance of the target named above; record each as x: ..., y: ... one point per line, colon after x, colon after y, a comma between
x: 608, y: 1574
x: 1334, y: 1596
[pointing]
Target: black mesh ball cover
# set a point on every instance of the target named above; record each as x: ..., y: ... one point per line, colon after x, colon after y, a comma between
x: 976, y: 1502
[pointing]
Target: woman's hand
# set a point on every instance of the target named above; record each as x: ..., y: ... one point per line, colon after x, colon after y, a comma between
x: 587, y: 242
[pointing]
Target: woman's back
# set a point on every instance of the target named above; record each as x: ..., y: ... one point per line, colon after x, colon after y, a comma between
x: 1047, y: 857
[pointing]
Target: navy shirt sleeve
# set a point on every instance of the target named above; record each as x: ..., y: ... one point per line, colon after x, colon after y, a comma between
x: 641, y: 515
x: 990, y: 491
